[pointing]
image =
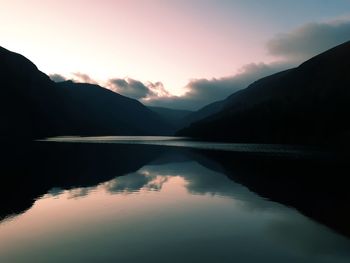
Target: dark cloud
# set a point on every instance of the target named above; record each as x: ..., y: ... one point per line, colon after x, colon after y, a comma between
x: 309, y: 40
x: 201, y: 92
x: 83, y: 78
x: 129, y: 87
x: 79, y: 192
x: 158, y: 89
x: 136, y: 89
x: 57, y: 78
x: 76, y: 76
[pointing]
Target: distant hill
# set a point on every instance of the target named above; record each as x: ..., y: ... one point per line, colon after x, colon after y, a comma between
x: 305, y: 105
x: 183, y: 118
x: 33, y: 106
x: 172, y: 116
x: 202, y: 113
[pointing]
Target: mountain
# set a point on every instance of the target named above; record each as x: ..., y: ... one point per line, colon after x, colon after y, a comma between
x: 99, y: 111
x: 305, y: 105
x: 33, y: 106
x: 29, y: 99
x: 172, y: 116
x: 182, y: 118
x: 202, y: 113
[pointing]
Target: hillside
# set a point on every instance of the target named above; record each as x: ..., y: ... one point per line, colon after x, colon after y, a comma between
x: 305, y: 105
x: 33, y: 106
x: 174, y: 117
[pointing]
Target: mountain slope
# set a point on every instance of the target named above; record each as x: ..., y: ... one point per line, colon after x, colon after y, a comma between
x: 29, y: 99
x: 172, y: 116
x: 307, y: 104
x: 100, y: 111
x: 202, y: 113
x: 33, y: 106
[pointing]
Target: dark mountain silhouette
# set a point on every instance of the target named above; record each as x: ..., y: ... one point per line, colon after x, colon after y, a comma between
x: 29, y: 99
x: 182, y: 118
x: 100, y: 111
x: 202, y: 113
x: 172, y: 116
x: 305, y: 105
x: 33, y: 106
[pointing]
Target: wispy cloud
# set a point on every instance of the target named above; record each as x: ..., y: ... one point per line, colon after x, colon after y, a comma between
x: 309, y: 40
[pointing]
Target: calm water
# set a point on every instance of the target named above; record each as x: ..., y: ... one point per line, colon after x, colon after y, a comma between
x: 188, y: 143
x: 144, y: 204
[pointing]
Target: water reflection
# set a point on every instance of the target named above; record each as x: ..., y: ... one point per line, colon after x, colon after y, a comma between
x: 152, y: 204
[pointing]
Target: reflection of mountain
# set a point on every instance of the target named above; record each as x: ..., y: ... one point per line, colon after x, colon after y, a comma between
x: 308, y: 104
x: 316, y: 188
x: 31, y: 170
x: 33, y: 106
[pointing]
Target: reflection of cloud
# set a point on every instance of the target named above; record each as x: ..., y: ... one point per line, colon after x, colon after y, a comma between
x: 135, y: 182
x: 127, y: 183
x: 278, y: 233
x: 203, y: 181
x: 71, y: 193
x: 309, y: 40
x: 56, y: 191
x: 79, y: 192
x: 199, y: 181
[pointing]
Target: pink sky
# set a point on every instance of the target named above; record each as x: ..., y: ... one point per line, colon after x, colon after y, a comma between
x: 167, y: 41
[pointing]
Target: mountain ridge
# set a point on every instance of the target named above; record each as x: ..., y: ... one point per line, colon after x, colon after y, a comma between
x: 304, y: 105
x: 33, y: 106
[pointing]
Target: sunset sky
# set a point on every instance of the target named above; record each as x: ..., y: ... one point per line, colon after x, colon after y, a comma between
x: 171, y: 47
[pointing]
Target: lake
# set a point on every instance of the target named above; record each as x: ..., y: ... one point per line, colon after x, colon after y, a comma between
x: 137, y: 199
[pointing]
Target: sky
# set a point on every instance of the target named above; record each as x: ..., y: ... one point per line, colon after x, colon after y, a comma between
x: 180, y: 53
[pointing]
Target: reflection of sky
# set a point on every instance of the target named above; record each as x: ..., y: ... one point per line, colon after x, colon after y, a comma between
x: 169, y: 212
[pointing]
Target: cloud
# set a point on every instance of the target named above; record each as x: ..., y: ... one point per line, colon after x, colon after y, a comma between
x: 136, y: 89
x: 158, y: 89
x: 129, y: 87
x: 309, y: 40
x: 289, y: 49
x: 76, y: 77
x: 201, y: 92
x: 84, y: 78
x: 57, y: 78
